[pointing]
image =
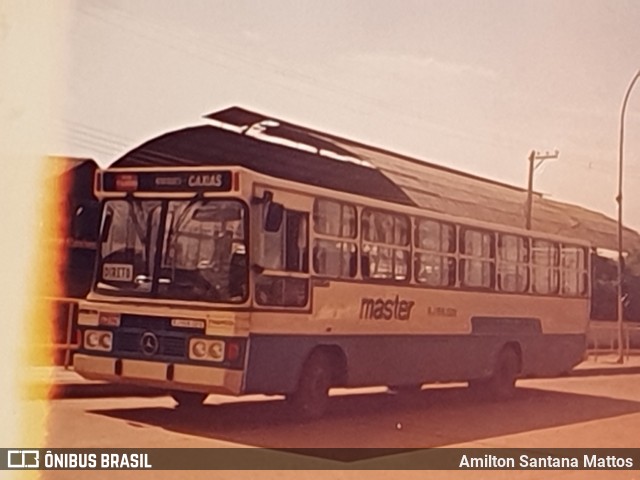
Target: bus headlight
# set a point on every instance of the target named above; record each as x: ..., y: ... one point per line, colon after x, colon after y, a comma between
x: 198, y: 349
x: 206, y: 349
x: 99, y: 340
x: 91, y: 339
x: 106, y: 341
x: 216, y: 350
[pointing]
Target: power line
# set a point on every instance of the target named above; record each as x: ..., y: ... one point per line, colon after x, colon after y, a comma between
x: 90, y: 138
x: 97, y: 132
x: 200, y: 47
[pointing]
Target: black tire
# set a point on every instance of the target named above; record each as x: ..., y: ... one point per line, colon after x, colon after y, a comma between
x: 501, y: 385
x: 311, y: 397
x: 188, y: 399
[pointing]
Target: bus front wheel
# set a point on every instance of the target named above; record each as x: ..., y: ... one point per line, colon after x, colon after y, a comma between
x: 188, y: 399
x: 311, y: 397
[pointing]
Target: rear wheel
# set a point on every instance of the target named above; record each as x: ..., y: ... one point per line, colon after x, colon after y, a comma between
x: 502, y: 382
x: 188, y: 399
x: 312, y: 394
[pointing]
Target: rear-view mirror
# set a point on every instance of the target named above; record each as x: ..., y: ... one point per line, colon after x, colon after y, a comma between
x: 85, y: 222
x: 273, y: 217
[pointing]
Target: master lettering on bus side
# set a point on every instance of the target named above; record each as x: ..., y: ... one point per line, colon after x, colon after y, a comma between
x: 386, y: 309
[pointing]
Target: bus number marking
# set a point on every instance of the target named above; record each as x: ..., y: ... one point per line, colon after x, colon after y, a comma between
x: 385, y: 309
x: 168, y: 181
x: 119, y: 272
x: 442, y: 312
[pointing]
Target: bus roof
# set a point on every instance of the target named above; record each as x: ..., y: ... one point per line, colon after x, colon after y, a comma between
x: 210, y: 146
x: 349, y: 166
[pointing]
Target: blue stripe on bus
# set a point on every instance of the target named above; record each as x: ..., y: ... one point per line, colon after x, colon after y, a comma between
x: 506, y: 325
x: 275, y: 361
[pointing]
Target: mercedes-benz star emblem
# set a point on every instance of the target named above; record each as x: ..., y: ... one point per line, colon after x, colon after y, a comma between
x: 149, y: 343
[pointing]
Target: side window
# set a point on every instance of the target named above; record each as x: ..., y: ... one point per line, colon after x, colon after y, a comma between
x: 286, y: 251
x: 545, y: 256
x: 512, y: 263
x: 477, y: 254
x: 574, y: 276
x: 335, y: 251
x: 296, y: 242
x: 434, y: 247
x: 272, y: 244
x: 385, y: 245
x: 335, y: 258
x: 334, y: 218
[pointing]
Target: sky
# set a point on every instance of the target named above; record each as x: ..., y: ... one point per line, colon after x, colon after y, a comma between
x: 471, y: 85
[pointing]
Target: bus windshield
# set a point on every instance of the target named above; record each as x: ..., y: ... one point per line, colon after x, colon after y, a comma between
x: 177, y: 249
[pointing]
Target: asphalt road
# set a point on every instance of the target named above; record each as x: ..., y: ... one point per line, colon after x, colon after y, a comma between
x: 590, y: 411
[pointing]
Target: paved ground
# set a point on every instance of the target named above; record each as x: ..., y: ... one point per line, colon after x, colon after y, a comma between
x: 59, y: 382
x: 608, y: 363
x: 599, y: 406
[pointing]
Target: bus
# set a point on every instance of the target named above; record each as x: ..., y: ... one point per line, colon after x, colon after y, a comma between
x: 234, y: 263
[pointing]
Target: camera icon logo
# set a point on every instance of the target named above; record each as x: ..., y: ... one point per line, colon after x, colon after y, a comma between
x: 23, y: 459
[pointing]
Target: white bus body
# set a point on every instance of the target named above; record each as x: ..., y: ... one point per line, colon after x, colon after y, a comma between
x: 223, y: 279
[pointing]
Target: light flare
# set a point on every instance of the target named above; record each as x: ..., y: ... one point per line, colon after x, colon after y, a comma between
x: 45, y: 278
x: 31, y: 50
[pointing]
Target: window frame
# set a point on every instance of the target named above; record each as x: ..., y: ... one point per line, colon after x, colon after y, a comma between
x: 404, y: 246
x: 552, y: 269
x: 523, y: 247
x: 448, y: 256
x: 580, y: 271
x: 465, y: 258
x: 343, y: 206
x: 393, y: 248
x: 347, y: 269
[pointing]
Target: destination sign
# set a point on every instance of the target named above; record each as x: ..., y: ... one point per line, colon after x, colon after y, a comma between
x: 216, y: 181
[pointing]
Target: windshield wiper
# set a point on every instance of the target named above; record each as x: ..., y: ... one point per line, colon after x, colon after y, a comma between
x: 133, y: 214
x: 174, y: 231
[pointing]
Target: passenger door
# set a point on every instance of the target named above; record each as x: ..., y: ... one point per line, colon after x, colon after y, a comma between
x: 281, y: 255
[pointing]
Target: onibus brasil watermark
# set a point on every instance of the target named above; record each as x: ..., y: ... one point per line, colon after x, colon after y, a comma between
x: 32, y: 459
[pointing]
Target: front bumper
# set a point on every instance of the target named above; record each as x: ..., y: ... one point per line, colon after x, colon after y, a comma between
x: 159, y: 374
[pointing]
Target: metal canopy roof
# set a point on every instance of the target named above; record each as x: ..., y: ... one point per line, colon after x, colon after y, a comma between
x: 207, y: 145
x: 397, y: 178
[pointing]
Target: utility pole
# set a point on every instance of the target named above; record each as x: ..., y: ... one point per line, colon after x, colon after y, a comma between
x: 540, y: 158
x: 620, y: 303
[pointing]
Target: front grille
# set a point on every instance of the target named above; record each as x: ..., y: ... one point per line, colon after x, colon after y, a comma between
x: 173, y: 346
x: 127, y: 341
x: 128, y: 344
